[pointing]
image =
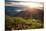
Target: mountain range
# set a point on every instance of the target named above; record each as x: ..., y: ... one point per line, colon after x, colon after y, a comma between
x: 28, y: 13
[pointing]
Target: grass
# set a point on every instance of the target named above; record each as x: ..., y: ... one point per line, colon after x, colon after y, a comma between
x: 22, y: 23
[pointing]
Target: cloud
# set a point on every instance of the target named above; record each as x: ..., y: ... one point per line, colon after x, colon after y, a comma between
x: 25, y: 4
x: 28, y: 0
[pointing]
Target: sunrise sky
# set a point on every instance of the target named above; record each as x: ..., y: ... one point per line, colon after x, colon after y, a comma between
x: 25, y: 4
